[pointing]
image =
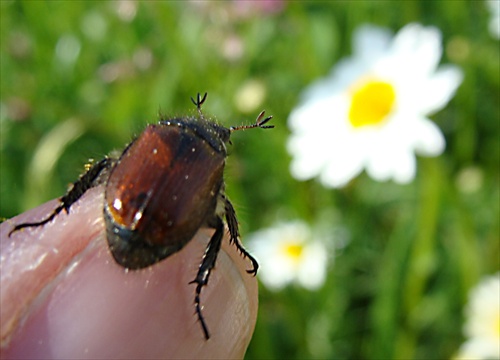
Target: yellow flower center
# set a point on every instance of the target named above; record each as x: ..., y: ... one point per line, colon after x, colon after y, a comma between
x: 293, y: 251
x: 371, y: 102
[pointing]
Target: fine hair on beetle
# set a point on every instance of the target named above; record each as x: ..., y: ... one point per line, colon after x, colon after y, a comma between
x: 166, y: 185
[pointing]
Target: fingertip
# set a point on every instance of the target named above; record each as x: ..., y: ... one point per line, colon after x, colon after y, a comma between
x: 94, y: 308
x: 33, y: 256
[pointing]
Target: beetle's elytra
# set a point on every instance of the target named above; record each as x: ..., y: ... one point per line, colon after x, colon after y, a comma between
x: 165, y: 186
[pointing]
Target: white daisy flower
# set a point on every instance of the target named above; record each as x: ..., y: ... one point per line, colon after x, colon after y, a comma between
x: 371, y: 112
x: 482, y: 326
x: 287, y: 253
x: 494, y: 24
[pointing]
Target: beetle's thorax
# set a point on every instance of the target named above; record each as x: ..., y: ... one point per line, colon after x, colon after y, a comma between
x: 214, y: 134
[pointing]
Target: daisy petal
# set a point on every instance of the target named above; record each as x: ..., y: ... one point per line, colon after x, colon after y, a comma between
x: 420, y: 47
x: 341, y: 76
x: 494, y: 24
x: 440, y: 89
x: 304, y: 169
x: 386, y: 164
x: 370, y: 42
x: 341, y: 168
x: 404, y: 171
x: 430, y: 141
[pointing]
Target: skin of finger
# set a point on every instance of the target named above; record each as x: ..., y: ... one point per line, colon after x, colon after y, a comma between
x: 63, y: 296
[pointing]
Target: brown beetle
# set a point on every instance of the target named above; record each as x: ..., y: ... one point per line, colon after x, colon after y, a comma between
x: 165, y: 186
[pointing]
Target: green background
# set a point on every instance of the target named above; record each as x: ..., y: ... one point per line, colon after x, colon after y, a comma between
x: 398, y: 287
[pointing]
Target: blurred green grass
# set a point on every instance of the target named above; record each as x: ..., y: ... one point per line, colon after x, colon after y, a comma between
x: 398, y: 288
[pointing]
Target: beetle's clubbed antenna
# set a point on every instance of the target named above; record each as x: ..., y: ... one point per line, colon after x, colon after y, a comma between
x: 198, y: 102
x: 259, y: 122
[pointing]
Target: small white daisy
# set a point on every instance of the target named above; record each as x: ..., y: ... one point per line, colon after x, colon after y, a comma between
x: 287, y: 253
x: 371, y: 112
x: 482, y: 326
x: 494, y: 24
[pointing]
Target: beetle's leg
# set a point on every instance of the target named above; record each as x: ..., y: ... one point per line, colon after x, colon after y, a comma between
x: 206, y: 266
x: 88, y: 180
x: 232, y: 224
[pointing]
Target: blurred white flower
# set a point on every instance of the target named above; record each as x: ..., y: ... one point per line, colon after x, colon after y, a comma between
x: 494, y: 24
x: 482, y: 326
x: 371, y: 112
x: 287, y: 253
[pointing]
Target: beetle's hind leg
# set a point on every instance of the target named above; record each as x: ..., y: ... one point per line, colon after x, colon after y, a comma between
x: 206, y: 266
x: 93, y: 177
x: 232, y: 224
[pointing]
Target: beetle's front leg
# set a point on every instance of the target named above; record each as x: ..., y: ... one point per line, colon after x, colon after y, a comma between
x: 91, y: 178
